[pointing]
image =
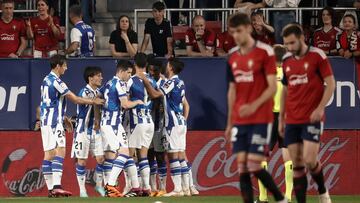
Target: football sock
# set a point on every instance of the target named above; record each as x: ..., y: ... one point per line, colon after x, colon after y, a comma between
x: 132, y: 173
x: 57, y: 170
x: 153, y: 174
x: 162, y: 176
x: 318, y: 176
x: 289, y: 179
x: 175, y: 171
x: 47, y: 172
x: 246, y: 187
x: 99, y: 177
x: 269, y: 183
x: 80, y: 175
x: 184, y: 175
x: 108, y: 164
x: 300, y: 184
x: 118, y: 166
x: 262, y: 190
x: 145, y: 173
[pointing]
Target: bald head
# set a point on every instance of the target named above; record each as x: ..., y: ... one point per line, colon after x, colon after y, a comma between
x: 198, y: 24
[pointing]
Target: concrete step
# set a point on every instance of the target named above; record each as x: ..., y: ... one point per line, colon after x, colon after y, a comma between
x: 102, y: 42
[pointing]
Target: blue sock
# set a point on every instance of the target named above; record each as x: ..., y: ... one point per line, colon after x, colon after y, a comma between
x: 47, y: 172
x: 57, y: 170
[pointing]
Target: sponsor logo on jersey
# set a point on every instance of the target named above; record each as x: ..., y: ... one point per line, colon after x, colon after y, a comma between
x: 244, y: 76
x: 298, y: 79
x: 7, y: 37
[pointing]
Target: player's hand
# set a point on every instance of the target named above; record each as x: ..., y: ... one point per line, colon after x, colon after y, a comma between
x: 28, y: 22
x: 12, y: 55
x: 281, y: 127
x: 96, y: 125
x: 37, y: 126
x: 139, y: 102
x: 168, y: 56
x: 68, y: 124
x: 98, y: 101
x: 246, y: 110
x: 228, y: 133
x: 347, y: 54
x: 124, y: 36
x: 162, y: 76
x: 209, y: 53
x: 317, y: 115
x: 51, y: 21
x: 341, y: 52
x: 141, y: 75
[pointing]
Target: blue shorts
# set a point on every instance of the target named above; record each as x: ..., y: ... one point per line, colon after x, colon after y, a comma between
x: 296, y: 133
x: 251, y: 138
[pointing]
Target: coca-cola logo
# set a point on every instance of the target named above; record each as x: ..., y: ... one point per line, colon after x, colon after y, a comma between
x: 31, y: 181
x: 222, y: 165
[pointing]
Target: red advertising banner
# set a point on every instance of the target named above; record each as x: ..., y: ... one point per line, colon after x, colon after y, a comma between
x: 213, y: 165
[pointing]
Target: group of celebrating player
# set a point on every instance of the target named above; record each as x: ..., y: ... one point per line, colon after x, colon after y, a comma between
x: 127, y: 124
x: 307, y: 86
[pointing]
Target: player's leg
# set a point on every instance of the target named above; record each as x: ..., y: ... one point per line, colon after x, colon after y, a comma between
x: 81, y: 176
x: 294, y: 145
x: 185, y: 179
x: 159, y: 148
x: 132, y: 173
x: 49, y: 144
x: 110, y: 153
x: 153, y: 170
x: 258, y: 138
x: 97, y: 149
x: 311, y: 138
x: 108, y: 164
x: 193, y: 190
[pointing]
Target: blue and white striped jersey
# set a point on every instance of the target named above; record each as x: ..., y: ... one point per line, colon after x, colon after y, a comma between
x: 85, y: 35
x: 174, y: 93
x: 53, y: 102
x: 113, y: 90
x: 85, y: 113
x: 136, y: 90
x: 157, y: 111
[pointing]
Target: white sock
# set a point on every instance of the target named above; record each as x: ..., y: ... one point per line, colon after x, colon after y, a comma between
x: 191, y: 180
x: 162, y: 176
x: 108, y: 164
x: 80, y: 175
x: 139, y: 176
x: 153, y: 174
x: 132, y: 173
x: 185, y: 181
x: 99, y: 171
x: 175, y: 171
x: 57, y: 170
x: 47, y: 172
x: 145, y: 173
x: 118, y: 166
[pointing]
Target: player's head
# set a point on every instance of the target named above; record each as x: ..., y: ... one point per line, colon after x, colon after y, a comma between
x: 349, y: 22
x: 124, y: 24
x: 294, y: 39
x: 7, y: 7
x: 43, y: 7
x: 240, y: 27
x: 93, y: 76
x: 198, y: 23
x: 174, y: 67
x: 58, y: 64
x: 158, y: 10
x: 280, y: 51
x: 257, y: 17
x: 140, y: 60
x: 75, y: 13
x: 124, y: 70
x: 327, y: 16
x: 154, y: 67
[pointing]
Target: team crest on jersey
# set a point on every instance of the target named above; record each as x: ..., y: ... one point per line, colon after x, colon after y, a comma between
x: 234, y: 65
x: 161, y: 31
x: 287, y: 69
x: 36, y: 25
x: 14, y: 27
x: 250, y: 64
x: 306, y: 65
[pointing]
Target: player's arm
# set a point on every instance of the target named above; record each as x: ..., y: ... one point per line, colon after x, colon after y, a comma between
x: 72, y: 48
x: 145, y: 43
x: 127, y: 104
x: 54, y: 27
x: 97, y: 116
x: 190, y: 52
x: 318, y: 113
x: 22, y: 47
x: 186, y: 106
x: 75, y: 37
x: 231, y: 96
x: 79, y: 100
x: 281, y: 124
x: 169, y: 42
x: 153, y: 93
x: 267, y: 94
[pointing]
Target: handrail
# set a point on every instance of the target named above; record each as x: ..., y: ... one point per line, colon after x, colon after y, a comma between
x: 23, y: 11
x: 199, y: 11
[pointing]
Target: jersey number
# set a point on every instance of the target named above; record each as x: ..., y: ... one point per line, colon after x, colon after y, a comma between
x: 91, y: 40
x: 78, y: 145
x: 45, y: 95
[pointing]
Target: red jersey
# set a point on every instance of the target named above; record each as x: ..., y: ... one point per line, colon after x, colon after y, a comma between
x: 10, y: 34
x: 304, y: 79
x: 225, y: 41
x: 266, y: 37
x: 326, y: 40
x: 208, y: 39
x: 249, y: 72
x: 43, y: 35
x: 348, y: 42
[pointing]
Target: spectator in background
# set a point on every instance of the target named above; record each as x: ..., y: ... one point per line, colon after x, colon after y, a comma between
x: 325, y: 37
x: 82, y: 36
x: 12, y: 32
x: 348, y: 42
x: 123, y: 41
x: 282, y: 18
x: 37, y: 122
x: 262, y: 31
x: 224, y: 43
x: 44, y: 30
x: 159, y: 30
x: 249, y: 6
x: 199, y: 40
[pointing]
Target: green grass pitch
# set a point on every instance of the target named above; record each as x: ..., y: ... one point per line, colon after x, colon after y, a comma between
x: 208, y: 199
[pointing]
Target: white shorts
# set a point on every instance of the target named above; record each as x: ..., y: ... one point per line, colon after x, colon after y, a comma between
x: 39, y: 54
x: 158, y: 141
x: 113, y: 138
x: 53, y: 137
x: 176, y: 139
x: 84, y: 143
x: 141, y: 135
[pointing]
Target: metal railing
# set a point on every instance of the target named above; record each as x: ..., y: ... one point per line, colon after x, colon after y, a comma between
x: 23, y: 11
x: 228, y: 11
